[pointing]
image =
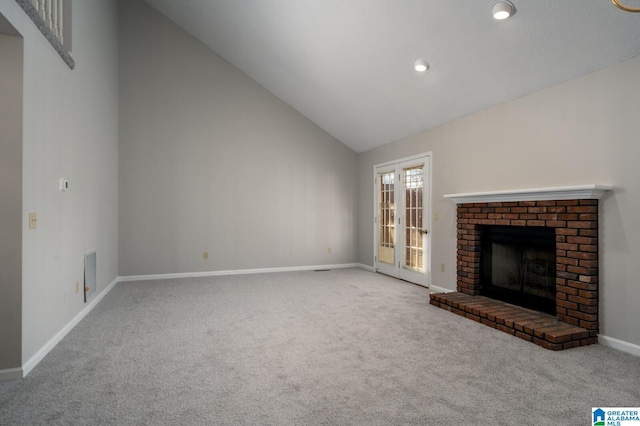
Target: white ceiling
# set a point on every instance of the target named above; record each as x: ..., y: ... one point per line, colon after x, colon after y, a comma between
x: 348, y: 64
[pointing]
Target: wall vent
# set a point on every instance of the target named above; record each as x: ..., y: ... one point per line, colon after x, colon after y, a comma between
x: 89, y: 275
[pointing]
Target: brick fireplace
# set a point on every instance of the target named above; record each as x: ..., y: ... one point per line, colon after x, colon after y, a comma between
x: 575, y: 223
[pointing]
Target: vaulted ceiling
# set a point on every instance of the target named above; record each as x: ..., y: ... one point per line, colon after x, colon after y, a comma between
x: 348, y: 64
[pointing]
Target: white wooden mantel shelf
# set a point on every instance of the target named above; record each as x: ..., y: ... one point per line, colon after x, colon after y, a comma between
x: 593, y: 192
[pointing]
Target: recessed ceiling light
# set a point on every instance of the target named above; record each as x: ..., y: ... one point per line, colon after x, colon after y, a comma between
x: 421, y: 66
x: 502, y: 10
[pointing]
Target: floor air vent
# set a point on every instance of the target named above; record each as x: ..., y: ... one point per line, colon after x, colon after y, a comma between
x: 89, y: 275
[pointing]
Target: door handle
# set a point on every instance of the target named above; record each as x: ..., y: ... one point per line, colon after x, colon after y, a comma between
x: 424, y: 231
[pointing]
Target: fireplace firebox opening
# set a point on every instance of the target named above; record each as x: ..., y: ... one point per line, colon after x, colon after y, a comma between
x: 518, y: 266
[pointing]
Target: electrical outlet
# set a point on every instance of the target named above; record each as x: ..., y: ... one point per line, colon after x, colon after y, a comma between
x: 205, y: 255
x: 436, y: 216
x: 329, y: 250
x: 33, y: 220
x: 77, y: 287
x: 442, y: 267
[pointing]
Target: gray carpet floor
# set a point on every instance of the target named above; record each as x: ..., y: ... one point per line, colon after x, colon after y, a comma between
x: 344, y: 347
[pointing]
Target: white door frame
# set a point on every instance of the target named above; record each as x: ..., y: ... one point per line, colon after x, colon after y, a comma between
x: 427, y: 209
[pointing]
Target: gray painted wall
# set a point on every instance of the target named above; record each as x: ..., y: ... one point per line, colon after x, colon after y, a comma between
x: 581, y: 132
x: 211, y: 161
x: 10, y: 201
x: 70, y: 130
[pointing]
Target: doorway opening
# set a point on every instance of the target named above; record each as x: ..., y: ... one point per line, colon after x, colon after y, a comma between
x: 401, y: 218
x: 11, y: 88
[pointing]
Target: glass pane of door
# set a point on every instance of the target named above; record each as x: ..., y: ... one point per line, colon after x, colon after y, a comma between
x: 413, y: 179
x: 386, y: 218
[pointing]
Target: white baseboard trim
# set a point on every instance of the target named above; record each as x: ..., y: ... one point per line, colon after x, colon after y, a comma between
x: 367, y: 267
x: 618, y: 344
x: 436, y: 289
x: 234, y: 272
x: 11, y: 374
x: 39, y: 356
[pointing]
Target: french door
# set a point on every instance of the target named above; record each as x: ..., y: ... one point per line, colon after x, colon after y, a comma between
x: 401, y: 219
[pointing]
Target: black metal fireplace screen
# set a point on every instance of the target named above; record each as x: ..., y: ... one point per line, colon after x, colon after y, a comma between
x: 518, y: 265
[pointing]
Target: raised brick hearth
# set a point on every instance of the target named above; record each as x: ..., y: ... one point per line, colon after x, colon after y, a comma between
x: 576, y: 228
x: 542, y: 329
x: 537, y: 327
